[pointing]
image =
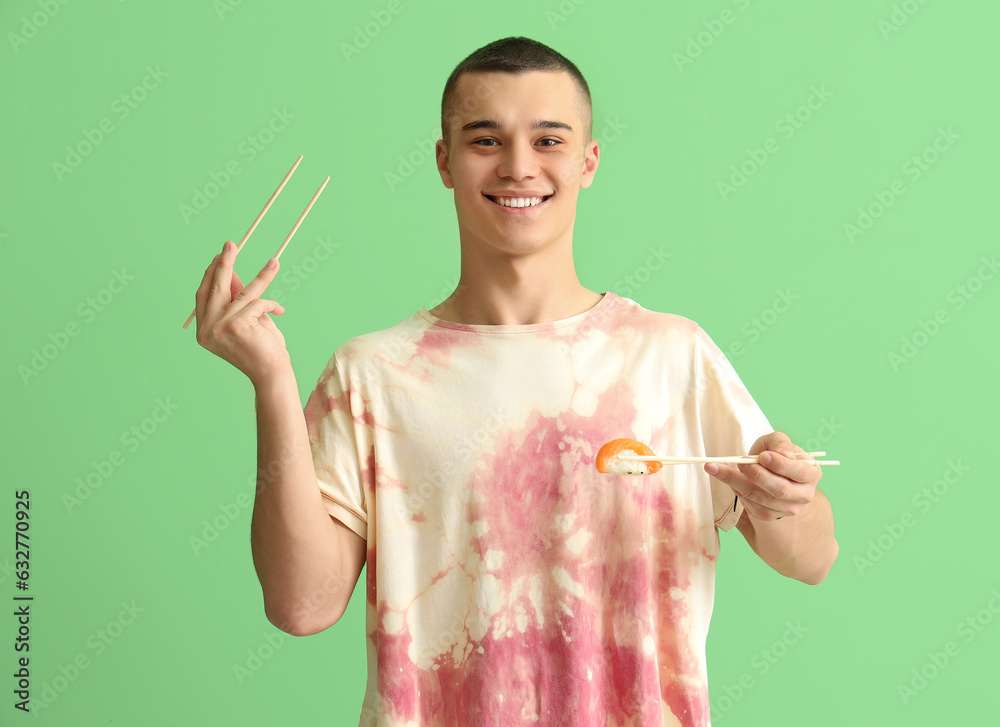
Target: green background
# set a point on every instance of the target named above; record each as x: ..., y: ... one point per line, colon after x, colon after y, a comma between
x: 674, y: 113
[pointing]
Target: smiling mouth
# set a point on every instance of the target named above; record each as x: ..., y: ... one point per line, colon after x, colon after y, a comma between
x: 518, y: 202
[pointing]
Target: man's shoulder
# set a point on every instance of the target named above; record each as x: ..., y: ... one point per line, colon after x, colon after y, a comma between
x: 385, y: 343
x: 630, y: 314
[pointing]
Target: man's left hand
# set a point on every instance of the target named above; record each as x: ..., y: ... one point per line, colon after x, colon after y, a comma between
x: 780, y: 486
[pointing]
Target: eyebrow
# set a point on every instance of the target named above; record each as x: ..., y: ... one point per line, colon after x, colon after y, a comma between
x: 495, y: 125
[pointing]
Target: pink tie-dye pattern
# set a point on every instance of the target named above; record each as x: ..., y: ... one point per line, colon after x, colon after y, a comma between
x: 589, y: 668
x: 595, y: 588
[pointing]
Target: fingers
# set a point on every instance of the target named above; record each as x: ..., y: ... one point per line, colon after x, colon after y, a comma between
x: 222, y: 295
x: 777, y: 453
x: 778, y: 482
x: 238, y: 339
x: 267, y: 323
x: 784, y: 464
x: 235, y: 323
x: 235, y: 286
x: 256, y: 313
x: 219, y: 295
x: 253, y: 290
x: 748, y: 494
x: 774, y: 442
x: 201, y: 295
x: 275, y: 309
x: 765, y: 495
x: 779, y: 485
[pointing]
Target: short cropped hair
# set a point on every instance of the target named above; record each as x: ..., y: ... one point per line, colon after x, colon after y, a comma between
x: 514, y: 55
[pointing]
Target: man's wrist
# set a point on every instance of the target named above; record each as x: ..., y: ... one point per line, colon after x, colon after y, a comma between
x: 279, y: 378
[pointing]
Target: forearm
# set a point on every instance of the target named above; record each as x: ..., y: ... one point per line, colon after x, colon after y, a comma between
x: 296, y: 547
x: 801, y: 547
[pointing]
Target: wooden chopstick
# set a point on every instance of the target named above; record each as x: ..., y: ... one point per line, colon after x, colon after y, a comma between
x: 302, y: 217
x: 260, y: 217
x: 739, y: 459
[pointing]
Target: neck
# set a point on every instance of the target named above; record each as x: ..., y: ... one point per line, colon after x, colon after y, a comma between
x: 504, y: 289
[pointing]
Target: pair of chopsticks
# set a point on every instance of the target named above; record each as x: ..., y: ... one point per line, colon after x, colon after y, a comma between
x: 744, y: 459
x: 261, y: 216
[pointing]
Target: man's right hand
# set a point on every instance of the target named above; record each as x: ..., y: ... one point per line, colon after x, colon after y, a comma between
x: 233, y: 321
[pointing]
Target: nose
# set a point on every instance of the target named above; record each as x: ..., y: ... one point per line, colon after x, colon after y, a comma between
x: 518, y: 161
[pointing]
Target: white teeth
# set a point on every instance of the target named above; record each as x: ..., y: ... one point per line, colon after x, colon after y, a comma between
x: 518, y: 201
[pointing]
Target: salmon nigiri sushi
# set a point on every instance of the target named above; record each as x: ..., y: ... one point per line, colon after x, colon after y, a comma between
x: 608, y: 460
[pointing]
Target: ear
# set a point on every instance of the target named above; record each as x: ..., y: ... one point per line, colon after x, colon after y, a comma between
x: 591, y: 158
x: 443, y: 165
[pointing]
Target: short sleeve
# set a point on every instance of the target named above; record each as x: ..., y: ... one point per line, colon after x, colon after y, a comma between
x: 336, y: 438
x: 731, y: 421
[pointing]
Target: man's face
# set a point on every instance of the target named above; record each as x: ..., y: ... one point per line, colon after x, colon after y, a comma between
x: 516, y: 137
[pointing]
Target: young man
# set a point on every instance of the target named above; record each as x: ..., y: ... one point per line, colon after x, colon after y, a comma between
x: 508, y: 581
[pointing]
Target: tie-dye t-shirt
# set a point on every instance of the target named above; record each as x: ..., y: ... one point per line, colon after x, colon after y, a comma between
x: 508, y: 581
